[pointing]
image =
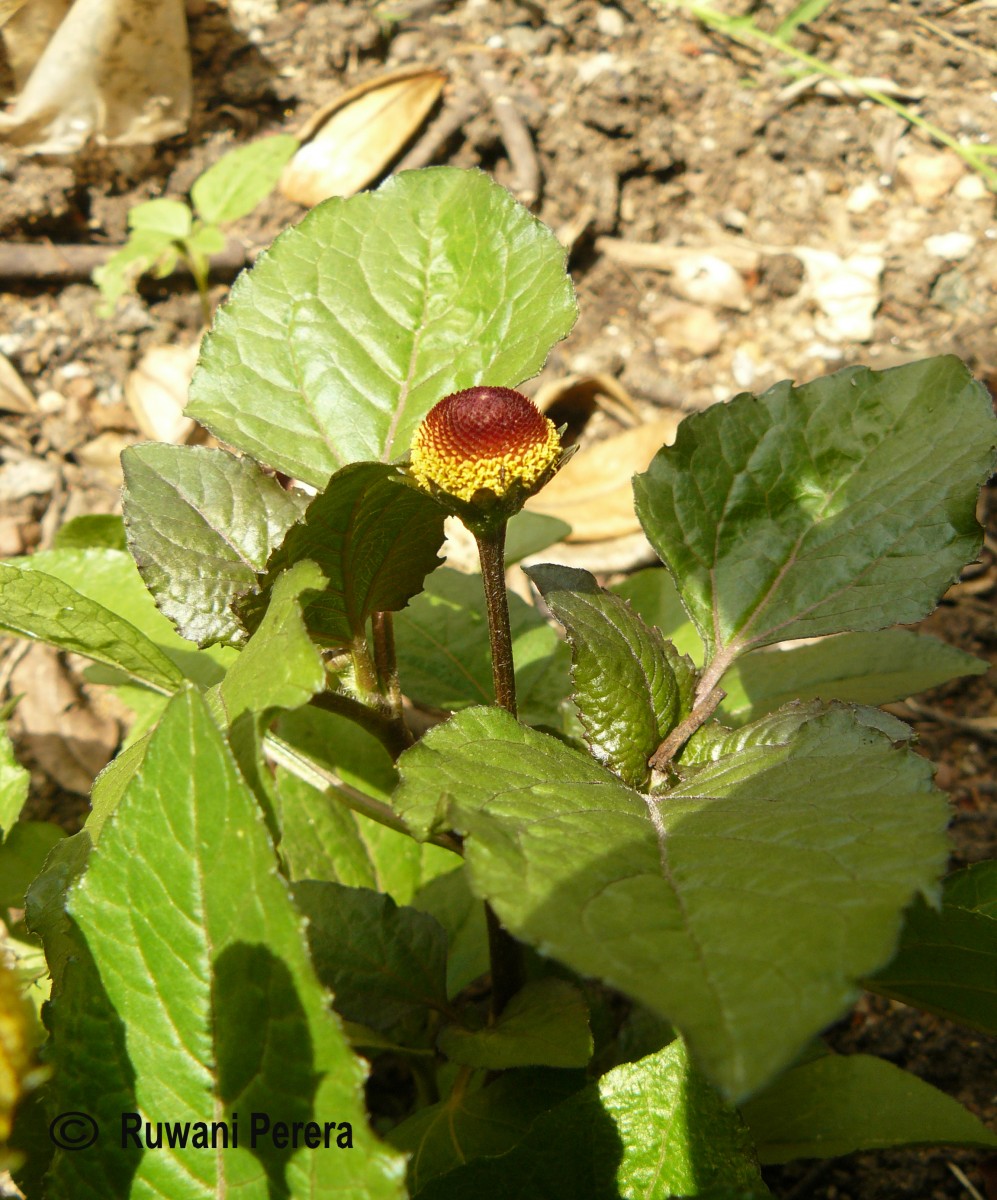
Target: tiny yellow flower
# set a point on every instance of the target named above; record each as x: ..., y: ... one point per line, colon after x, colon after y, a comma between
x: 490, y: 439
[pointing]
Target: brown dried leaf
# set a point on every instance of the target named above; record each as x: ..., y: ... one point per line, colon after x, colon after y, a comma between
x: 15, y: 395
x: 574, y: 398
x: 156, y: 392
x: 349, y: 142
x: 593, y: 492
x: 58, y: 728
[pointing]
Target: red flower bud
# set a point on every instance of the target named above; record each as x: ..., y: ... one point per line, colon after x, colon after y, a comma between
x: 490, y: 438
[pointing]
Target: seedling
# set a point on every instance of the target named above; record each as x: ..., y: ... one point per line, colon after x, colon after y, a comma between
x: 693, y: 849
x: 164, y: 232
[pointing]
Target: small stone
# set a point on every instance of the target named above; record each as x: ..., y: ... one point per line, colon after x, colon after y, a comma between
x: 930, y: 176
x: 610, y: 22
x: 952, y: 246
x: 51, y: 401
x: 706, y: 279
x: 862, y: 198
x: 689, y: 327
x: 971, y: 187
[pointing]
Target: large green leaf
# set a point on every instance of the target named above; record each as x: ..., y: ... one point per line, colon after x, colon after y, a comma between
x: 200, y: 1001
x: 22, y: 856
x: 478, y: 1122
x: 201, y: 525
x: 654, y: 597
x: 281, y: 667
x: 444, y: 658
x: 546, y: 1024
x: 647, y: 1130
x: 382, y: 963
x: 322, y: 839
x: 864, y: 668
x: 375, y: 539
x: 845, y: 504
x: 14, y: 780
x: 743, y: 905
x: 449, y: 899
x: 109, y: 577
x: 837, y: 1104
x: 947, y: 959
x: 346, y: 332
x: 39, y: 606
x: 630, y: 685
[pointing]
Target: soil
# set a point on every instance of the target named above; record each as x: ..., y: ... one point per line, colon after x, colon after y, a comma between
x: 646, y: 127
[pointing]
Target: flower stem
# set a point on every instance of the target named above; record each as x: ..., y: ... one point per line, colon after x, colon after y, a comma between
x: 504, y: 952
x: 491, y: 552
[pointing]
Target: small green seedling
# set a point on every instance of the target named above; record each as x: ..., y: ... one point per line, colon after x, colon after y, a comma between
x: 583, y: 904
x: 164, y: 232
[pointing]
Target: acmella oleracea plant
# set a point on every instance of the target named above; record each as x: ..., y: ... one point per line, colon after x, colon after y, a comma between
x: 481, y: 453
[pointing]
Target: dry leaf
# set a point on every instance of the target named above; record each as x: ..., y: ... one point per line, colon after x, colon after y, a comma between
x: 102, y: 457
x: 593, y: 491
x: 156, y: 392
x: 114, y: 70
x: 573, y: 399
x: 25, y: 477
x: 15, y: 395
x: 68, y: 740
x: 349, y: 142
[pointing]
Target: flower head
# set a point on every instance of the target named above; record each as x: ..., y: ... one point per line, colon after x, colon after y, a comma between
x: 486, y: 446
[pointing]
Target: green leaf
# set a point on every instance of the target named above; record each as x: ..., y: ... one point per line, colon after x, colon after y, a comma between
x: 111, y: 784
x: 347, y: 327
x: 742, y: 905
x: 39, y: 606
x: 375, y: 540
x: 381, y: 962
x: 974, y: 888
x: 478, y: 1122
x: 631, y: 686
x: 650, y: 1130
x: 321, y: 838
x: 546, y: 1024
x: 529, y: 532
x: 449, y: 899
x: 280, y: 667
x: 947, y: 958
x: 91, y: 531
x: 836, y: 1105
x: 654, y: 597
x: 172, y: 218
x: 863, y: 668
x: 22, y: 856
x: 201, y: 525
x: 111, y: 579
x: 139, y: 254
x: 847, y: 503
x: 232, y: 187
x: 14, y: 781
x: 444, y: 659
x: 201, y: 1002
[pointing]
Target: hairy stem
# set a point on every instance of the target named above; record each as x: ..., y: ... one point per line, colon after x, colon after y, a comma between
x: 504, y: 952
x: 491, y: 552
x: 386, y: 665
x: 708, y: 697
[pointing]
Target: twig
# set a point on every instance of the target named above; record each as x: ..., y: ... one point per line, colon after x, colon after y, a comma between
x: 980, y: 727
x: 516, y: 136
x: 451, y: 120
x: 44, y: 262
